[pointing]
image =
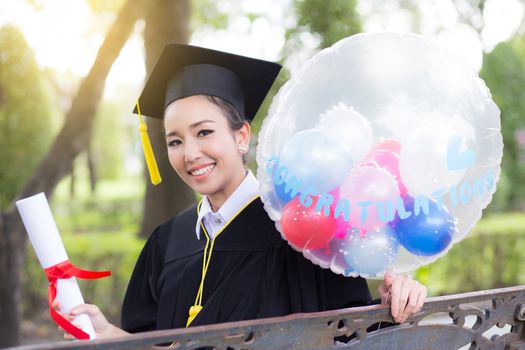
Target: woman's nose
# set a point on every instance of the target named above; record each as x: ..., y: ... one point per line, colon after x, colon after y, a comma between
x: 192, y: 151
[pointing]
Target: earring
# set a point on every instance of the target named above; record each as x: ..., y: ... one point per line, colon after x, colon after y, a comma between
x: 242, y: 149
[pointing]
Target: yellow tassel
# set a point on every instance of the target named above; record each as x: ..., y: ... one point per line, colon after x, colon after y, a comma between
x: 194, y: 311
x: 151, y: 163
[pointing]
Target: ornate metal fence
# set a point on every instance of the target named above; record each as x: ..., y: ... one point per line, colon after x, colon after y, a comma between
x: 492, y: 319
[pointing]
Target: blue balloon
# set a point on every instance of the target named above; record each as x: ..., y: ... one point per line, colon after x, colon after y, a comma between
x: 313, y: 162
x: 427, y: 233
x: 372, y: 254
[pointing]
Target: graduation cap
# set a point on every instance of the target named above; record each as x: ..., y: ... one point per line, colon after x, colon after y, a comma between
x: 184, y: 70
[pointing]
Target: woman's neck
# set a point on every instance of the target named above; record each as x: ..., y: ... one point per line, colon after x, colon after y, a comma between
x: 219, y: 198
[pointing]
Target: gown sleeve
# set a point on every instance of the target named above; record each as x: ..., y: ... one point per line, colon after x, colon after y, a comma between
x: 139, y: 309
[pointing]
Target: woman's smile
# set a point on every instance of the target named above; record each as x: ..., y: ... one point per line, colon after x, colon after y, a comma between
x: 202, y: 171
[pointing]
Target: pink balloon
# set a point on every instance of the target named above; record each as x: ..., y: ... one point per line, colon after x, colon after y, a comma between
x: 305, y: 228
x: 388, y: 160
x: 365, y: 188
x: 392, y: 145
x: 341, y: 225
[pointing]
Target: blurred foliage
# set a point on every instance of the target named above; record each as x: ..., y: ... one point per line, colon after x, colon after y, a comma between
x: 330, y: 20
x: 207, y: 13
x: 490, y: 257
x: 26, y: 113
x: 108, y: 142
x: 504, y: 73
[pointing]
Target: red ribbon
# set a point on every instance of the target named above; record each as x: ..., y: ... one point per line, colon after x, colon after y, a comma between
x: 66, y: 270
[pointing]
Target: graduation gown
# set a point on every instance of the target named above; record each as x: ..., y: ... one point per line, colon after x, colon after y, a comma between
x: 253, y: 273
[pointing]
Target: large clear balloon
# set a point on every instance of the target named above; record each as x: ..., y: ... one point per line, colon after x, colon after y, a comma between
x: 392, y: 141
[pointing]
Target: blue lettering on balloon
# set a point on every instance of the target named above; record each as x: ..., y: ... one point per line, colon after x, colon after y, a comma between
x: 465, y: 192
x: 421, y: 202
x: 477, y: 187
x: 342, y: 207
x: 323, y: 203
x: 385, y: 215
x: 306, y: 196
x: 364, y: 210
x: 385, y: 209
x: 270, y: 165
x: 490, y: 180
x: 401, y: 210
x: 293, y: 186
x: 438, y: 197
x: 279, y: 177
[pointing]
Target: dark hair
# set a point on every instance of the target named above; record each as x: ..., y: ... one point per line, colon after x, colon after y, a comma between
x: 234, y: 118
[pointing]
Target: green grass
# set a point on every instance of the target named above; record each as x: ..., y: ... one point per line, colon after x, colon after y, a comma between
x: 115, y: 207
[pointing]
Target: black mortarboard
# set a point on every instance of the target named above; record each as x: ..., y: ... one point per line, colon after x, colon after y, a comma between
x: 185, y: 70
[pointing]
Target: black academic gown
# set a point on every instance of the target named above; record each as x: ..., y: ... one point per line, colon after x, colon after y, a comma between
x: 253, y: 273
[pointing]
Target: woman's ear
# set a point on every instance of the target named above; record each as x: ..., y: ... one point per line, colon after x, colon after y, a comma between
x: 242, y: 137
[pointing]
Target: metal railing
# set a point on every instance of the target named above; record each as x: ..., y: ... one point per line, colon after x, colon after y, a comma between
x: 492, y: 319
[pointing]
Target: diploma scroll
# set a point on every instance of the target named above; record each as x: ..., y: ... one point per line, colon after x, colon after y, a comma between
x: 45, y: 238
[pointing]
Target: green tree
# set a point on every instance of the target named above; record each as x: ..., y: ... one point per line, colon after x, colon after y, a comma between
x: 55, y: 165
x: 504, y: 72
x: 26, y: 114
x: 331, y: 21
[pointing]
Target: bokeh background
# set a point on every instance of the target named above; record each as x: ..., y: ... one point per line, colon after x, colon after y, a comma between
x: 71, y: 70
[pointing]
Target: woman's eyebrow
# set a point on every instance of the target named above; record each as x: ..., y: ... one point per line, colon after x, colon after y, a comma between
x: 196, y: 124
x: 192, y: 126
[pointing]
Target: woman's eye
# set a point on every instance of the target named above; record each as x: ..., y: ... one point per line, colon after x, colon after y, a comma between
x: 174, y: 143
x: 204, y: 132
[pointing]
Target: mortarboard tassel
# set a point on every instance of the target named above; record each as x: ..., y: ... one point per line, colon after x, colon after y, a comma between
x: 153, y: 170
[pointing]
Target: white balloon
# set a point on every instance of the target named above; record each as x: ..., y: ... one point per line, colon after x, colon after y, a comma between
x: 425, y: 153
x: 350, y: 128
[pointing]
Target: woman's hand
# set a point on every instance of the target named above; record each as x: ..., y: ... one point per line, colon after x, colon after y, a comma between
x: 103, y: 329
x: 405, y: 296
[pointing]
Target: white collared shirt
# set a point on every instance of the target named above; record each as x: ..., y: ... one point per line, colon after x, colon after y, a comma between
x: 215, y: 221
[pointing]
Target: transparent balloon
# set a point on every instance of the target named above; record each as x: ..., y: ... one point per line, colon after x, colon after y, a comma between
x: 415, y: 123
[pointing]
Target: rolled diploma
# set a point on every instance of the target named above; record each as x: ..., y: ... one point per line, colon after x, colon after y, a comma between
x: 46, y: 241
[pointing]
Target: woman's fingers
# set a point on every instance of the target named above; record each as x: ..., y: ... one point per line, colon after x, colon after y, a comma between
x: 99, y: 321
x: 400, y: 293
x: 411, y: 304
x: 421, y: 297
x: 395, y: 290
x: 384, y: 288
x: 407, y: 298
x: 91, y: 310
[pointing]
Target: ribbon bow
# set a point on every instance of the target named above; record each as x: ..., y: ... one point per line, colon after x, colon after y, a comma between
x: 66, y: 270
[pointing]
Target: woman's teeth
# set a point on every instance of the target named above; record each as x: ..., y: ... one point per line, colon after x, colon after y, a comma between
x: 203, y: 171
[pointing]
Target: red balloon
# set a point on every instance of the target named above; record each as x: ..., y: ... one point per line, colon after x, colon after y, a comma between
x: 304, y: 228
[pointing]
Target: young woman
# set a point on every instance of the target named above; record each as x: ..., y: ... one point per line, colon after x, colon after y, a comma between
x: 223, y: 260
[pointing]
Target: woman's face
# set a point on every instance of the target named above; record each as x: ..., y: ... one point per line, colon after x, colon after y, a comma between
x: 202, y: 148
